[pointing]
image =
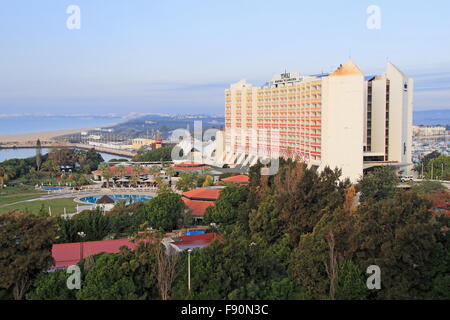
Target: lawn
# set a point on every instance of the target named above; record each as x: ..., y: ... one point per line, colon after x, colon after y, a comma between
x: 19, y: 193
x: 57, y: 206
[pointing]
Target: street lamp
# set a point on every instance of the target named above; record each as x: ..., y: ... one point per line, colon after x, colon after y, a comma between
x: 82, y: 235
x: 189, y: 269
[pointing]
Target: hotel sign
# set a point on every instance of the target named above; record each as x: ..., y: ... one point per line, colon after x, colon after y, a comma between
x: 286, y: 77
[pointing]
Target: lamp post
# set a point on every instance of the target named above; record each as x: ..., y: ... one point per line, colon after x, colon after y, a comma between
x: 189, y: 269
x: 82, y: 236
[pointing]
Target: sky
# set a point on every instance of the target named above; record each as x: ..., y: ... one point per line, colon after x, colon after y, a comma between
x: 176, y: 56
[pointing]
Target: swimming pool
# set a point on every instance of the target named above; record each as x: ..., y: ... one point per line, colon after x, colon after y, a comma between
x: 129, y: 198
x: 52, y: 188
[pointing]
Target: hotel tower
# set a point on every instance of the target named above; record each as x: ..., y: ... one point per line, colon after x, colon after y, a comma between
x: 343, y: 119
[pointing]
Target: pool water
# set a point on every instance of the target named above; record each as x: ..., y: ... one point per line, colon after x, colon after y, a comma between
x: 51, y: 188
x: 129, y: 198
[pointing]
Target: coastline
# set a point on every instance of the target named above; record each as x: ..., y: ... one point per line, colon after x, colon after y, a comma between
x: 44, y: 136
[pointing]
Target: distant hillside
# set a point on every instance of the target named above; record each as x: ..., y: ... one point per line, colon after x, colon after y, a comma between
x: 432, y: 117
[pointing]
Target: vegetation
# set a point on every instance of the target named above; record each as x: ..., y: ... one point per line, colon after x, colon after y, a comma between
x: 26, y: 250
x: 300, y: 234
x: 192, y: 180
x: 161, y: 154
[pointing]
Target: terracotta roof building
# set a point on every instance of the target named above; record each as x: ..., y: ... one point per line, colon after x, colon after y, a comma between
x: 198, y: 200
x: 129, y: 171
x: 240, y: 179
x: 194, y: 241
x: 69, y: 254
x: 189, y: 166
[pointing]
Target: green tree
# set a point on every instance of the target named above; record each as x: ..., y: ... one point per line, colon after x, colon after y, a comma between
x: 188, y: 181
x: 93, y: 224
x: 439, y: 168
x: 161, y: 154
x: 51, y: 286
x: 351, y: 282
x: 379, y: 184
x: 232, y: 269
x: 402, y: 238
x: 422, y: 166
x: 229, y: 207
x: 106, y: 173
x: 5, y: 173
x: 429, y: 187
x: 109, y: 279
x: 165, y: 212
x: 26, y: 250
x: 38, y: 155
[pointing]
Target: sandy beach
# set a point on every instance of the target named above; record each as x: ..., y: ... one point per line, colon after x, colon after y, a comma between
x: 46, y: 136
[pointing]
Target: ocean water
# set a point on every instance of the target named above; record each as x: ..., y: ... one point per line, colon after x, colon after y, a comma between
x: 30, y: 124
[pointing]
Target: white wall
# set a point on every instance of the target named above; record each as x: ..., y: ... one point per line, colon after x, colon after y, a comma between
x: 343, y: 107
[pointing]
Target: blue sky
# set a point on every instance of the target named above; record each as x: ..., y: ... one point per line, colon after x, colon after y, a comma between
x: 178, y: 56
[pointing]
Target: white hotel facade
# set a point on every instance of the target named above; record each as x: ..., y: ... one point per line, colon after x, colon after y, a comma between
x: 343, y: 119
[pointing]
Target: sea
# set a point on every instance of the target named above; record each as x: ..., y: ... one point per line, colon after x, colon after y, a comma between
x: 10, y: 124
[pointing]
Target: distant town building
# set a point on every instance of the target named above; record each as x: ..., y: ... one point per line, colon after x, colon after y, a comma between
x: 343, y: 119
x: 427, y: 131
x: 140, y: 142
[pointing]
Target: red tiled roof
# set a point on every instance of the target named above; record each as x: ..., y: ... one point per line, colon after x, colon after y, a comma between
x: 202, y: 194
x: 242, y: 178
x: 68, y: 254
x: 195, y: 241
x: 188, y: 165
x: 198, y: 208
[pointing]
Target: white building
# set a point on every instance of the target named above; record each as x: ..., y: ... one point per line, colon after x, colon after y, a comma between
x: 428, y: 131
x: 343, y: 119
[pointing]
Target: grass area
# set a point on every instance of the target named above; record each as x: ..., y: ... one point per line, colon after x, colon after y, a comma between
x: 57, y: 206
x: 19, y: 193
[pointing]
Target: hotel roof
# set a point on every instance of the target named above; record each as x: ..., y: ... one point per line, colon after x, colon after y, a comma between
x: 188, y: 165
x: 202, y: 194
x: 347, y: 69
x: 69, y: 254
x: 242, y: 179
x: 198, y: 208
x: 194, y: 241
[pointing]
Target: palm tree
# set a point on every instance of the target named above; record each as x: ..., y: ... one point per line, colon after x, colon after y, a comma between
x: 155, y: 171
x: 138, y: 169
x: 105, y: 172
x: 121, y: 171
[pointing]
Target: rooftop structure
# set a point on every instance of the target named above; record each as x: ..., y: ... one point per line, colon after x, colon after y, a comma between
x: 240, y: 179
x: 189, y: 166
x: 69, y: 254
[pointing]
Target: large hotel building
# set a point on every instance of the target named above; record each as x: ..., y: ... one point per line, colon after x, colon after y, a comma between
x: 343, y: 119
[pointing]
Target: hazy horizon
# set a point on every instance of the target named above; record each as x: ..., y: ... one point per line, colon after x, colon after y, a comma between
x: 179, y: 57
